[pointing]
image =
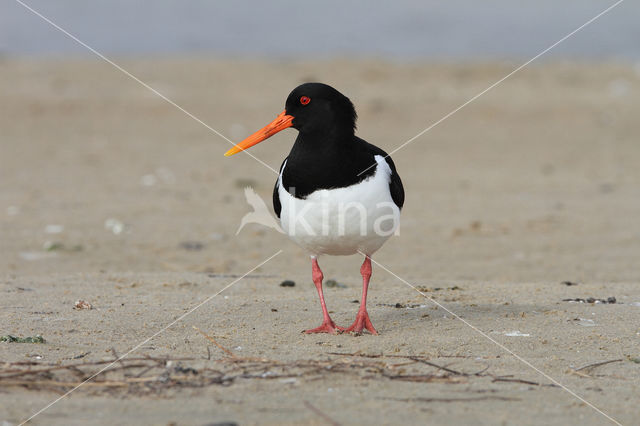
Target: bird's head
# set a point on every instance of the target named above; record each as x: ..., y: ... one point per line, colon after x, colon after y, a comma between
x: 310, y: 108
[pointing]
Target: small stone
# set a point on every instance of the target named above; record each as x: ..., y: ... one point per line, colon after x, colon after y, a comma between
x: 333, y: 284
x: 192, y: 245
x: 287, y: 283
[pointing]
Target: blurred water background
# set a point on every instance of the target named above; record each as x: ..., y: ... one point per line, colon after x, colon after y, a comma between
x: 451, y: 30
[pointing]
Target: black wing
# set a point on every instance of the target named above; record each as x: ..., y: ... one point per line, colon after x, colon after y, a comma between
x: 395, y: 186
x: 277, y: 207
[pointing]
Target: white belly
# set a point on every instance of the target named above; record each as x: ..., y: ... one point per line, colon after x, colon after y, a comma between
x: 342, y: 221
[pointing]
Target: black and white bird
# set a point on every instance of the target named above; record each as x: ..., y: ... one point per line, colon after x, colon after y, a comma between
x: 336, y: 194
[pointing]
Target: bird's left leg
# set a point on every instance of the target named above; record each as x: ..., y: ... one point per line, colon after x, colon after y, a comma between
x: 362, y: 318
x: 328, y: 326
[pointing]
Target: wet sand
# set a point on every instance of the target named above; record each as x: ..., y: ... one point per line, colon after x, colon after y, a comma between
x: 111, y: 195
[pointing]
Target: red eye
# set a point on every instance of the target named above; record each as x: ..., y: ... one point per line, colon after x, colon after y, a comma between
x: 304, y: 100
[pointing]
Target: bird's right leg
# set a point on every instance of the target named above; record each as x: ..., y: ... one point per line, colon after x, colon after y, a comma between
x: 328, y: 326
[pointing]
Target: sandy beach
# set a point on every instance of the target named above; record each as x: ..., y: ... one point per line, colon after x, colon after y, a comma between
x: 111, y: 195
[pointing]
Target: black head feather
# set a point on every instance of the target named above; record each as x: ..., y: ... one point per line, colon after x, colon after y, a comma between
x: 326, y: 109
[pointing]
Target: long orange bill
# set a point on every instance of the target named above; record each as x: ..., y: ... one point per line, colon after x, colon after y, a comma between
x: 281, y: 122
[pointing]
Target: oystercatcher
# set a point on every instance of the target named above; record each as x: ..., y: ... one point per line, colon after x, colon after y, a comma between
x: 336, y: 194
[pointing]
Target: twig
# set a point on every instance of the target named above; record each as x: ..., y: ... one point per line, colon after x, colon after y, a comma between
x: 145, y: 375
x: 479, y: 398
x: 424, y: 378
x: 448, y: 370
x: 359, y: 354
x: 505, y: 379
x: 578, y: 373
x: 117, y: 358
x: 362, y: 355
x: 481, y: 372
x: 321, y: 414
x: 64, y: 367
x: 149, y: 368
x: 597, y: 364
x: 212, y: 275
x: 401, y: 364
x: 74, y: 384
x: 212, y: 340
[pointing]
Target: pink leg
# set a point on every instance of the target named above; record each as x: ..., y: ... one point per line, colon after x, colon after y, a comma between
x: 362, y: 318
x: 328, y: 326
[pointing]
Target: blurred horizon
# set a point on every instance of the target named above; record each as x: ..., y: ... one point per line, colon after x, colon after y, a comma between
x: 457, y: 30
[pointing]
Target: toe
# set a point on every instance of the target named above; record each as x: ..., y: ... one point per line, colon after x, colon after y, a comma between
x: 324, y: 328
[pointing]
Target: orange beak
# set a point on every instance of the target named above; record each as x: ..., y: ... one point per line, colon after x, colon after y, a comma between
x: 281, y: 122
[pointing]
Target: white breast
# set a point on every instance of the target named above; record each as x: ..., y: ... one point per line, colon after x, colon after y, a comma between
x: 342, y: 221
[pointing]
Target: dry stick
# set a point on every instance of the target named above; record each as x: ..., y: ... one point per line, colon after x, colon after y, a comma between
x: 321, y: 414
x: 15, y: 380
x: 146, y: 370
x: 96, y: 384
x: 64, y: 367
x: 77, y: 371
x: 9, y: 373
x: 451, y: 371
x: 448, y: 370
x: 110, y: 383
x: 505, y: 379
x: 116, y: 357
x: 249, y: 368
x: 481, y: 372
x: 212, y: 340
x: 480, y: 398
x: 363, y: 355
x: 424, y: 378
x: 597, y: 364
x: 356, y: 354
x: 401, y: 364
x: 577, y: 373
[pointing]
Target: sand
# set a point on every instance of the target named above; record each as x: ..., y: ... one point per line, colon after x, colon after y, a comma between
x: 111, y: 195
